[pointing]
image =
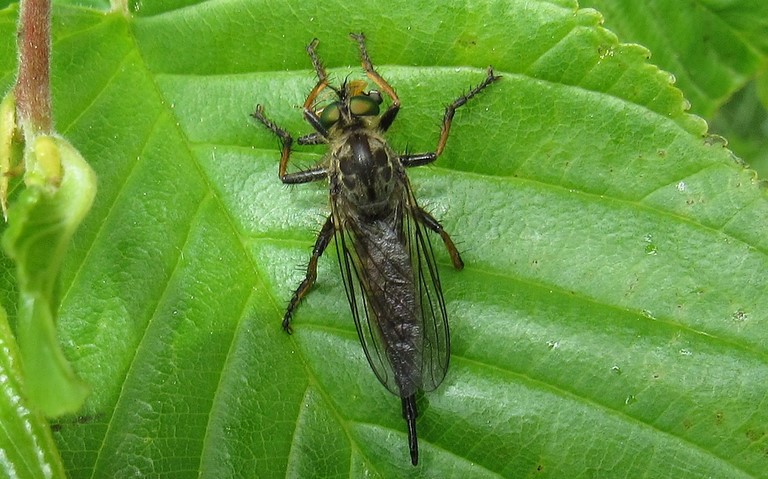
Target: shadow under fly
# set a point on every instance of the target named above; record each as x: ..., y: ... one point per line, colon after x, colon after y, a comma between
x: 384, y: 252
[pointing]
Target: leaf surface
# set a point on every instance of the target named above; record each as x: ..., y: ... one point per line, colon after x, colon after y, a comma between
x: 611, y: 320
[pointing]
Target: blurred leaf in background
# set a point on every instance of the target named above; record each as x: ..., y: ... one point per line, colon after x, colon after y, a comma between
x: 717, y: 51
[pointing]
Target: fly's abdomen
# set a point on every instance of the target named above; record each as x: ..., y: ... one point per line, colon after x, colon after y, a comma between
x: 391, y: 298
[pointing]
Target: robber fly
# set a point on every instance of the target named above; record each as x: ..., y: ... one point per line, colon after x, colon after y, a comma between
x: 385, y: 256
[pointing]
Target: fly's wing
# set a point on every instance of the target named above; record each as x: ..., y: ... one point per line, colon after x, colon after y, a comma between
x: 357, y: 288
x: 423, y: 362
x: 436, y: 351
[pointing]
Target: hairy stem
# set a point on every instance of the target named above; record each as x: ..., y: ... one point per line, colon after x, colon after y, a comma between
x: 33, y: 93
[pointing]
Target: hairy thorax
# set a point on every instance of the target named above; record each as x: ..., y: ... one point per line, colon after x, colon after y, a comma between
x: 363, y: 170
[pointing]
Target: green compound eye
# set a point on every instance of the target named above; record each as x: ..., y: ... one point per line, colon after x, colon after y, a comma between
x: 363, y: 105
x: 359, y: 105
x: 330, y: 115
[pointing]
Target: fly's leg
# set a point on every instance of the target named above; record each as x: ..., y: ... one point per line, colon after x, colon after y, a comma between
x: 418, y: 159
x: 326, y: 233
x: 322, y: 84
x: 321, y: 135
x: 322, y: 76
x: 424, y: 158
x: 430, y: 222
x: 313, y: 138
x: 457, y: 103
x: 386, y: 119
x: 410, y: 413
x: 445, y: 128
x: 286, y: 140
x: 305, y: 176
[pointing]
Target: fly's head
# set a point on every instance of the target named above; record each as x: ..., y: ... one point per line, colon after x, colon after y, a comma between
x: 353, y: 107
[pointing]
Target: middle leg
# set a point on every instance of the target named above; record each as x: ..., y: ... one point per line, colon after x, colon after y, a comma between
x: 305, y: 176
x: 445, y: 128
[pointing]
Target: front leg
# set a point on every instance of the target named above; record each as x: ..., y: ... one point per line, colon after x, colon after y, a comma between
x: 326, y: 233
x: 386, y: 119
x: 286, y: 140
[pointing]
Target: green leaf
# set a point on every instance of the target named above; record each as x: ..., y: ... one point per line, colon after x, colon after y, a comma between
x: 26, y: 443
x: 40, y: 228
x: 744, y: 121
x: 610, y: 322
x: 713, y: 47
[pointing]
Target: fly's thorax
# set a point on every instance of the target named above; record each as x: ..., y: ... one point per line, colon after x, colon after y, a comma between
x: 365, y: 168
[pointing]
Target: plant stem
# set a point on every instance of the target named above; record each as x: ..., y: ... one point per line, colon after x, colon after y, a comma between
x: 33, y: 93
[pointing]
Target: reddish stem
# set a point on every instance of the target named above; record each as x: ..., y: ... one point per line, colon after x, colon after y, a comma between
x: 33, y: 92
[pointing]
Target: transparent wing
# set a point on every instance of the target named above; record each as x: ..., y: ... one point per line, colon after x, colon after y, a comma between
x: 357, y: 289
x: 436, y: 351
x: 393, y: 289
